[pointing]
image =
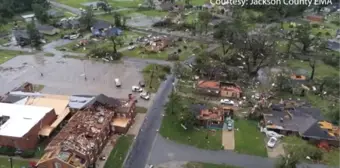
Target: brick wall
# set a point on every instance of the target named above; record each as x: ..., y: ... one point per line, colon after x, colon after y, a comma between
x: 30, y: 139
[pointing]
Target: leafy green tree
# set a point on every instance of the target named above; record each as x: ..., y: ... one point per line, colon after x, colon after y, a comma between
x: 305, y: 38
x: 117, y: 19
x: 34, y: 35
x: 116, y: 40
x: 205, y: 17
x: 87, y: 18
x: 40, y: 12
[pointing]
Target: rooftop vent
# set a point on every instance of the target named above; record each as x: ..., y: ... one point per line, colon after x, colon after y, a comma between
x: 3, y: 119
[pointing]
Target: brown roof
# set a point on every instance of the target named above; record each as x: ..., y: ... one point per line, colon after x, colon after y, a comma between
x: 208, y: 84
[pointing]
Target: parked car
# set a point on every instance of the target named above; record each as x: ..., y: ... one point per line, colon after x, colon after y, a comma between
x: 229, y: 126
x: 145, y: 95
x: 75, y: 36
x: 117, y: 82
x: 272, y: 141
x: 131, y: 47
x: 227, y: 102
x: 137, y: 89
x: 141, y: 83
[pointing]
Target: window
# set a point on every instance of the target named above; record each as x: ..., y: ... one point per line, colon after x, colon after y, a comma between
x: 57, y: 165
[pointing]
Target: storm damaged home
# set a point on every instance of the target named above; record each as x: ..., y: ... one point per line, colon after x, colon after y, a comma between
x: 216, y: 88
x: 80, y: 142
x: 212, y: 117
x: 300, y: 118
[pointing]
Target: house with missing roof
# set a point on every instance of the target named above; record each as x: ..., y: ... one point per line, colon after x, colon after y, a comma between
x: 213, y: 118
x: 299, y: 118
x: 80, y: 142
x: 217, y: 88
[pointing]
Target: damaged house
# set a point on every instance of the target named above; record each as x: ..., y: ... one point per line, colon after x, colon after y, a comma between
x: 212, y: 118
x: 157, y: 43
x: 216, y: 88
x: 80, y: 142
x: 299, y: 118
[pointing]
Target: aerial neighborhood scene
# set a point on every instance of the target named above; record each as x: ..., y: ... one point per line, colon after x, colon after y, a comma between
x: 169, y: 84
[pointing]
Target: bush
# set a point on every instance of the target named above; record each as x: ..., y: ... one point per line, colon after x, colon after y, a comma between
x: 336, y: 22
x: 332, y: 60
x: 28, y: 154
x: 319, y: 34
x: 166, y: 69
x: 162, y: 76
x: 104, y: 52
x: 173, y: 57
x: 10, y: 151
x: 179, y: 50
x: 328, y: 34
x: 291, y: 26
x: 315, y: 25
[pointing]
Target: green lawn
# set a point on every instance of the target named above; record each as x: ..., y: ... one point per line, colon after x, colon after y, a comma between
x: 163, y: 55
x: 119, y: 152
x: 314, y: 30
x: 155, y: 78
x: 4, y: 163
x: 113, y: 3
x: 206, y: 165
x: 140, y: 109
x: 198, y: 137
x: 322, y: 69
x: 127, y: 36
x: 331, y: 158
x: 249, y: 139
x: 6, y: 55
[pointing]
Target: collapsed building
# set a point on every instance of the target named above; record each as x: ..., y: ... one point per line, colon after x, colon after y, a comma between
x: 80, y: 142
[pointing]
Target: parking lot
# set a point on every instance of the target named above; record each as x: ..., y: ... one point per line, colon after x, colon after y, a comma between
x: 67, y: 76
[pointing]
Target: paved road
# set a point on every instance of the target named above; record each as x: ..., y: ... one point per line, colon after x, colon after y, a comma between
x: 69, y: 8
x: 51, y: 48
x: 138, y: 156
x: 165, y: 150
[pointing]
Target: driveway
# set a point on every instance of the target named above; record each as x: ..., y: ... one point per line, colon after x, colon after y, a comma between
x: 228, y: 139
x: 135, y: 127
x: 67, y: 76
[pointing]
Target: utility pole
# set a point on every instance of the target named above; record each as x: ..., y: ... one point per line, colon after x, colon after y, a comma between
x: 151, y: 77
x: 84, y: 70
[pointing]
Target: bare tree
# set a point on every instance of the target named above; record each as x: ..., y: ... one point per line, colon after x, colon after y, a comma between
x: 257, y: 51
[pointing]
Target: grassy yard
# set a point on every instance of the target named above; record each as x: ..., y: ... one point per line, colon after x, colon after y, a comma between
x: 128, y: 36
x: 118, y: 154
x: 331, y: 158
x: 172, y: 130
x: 163, y: 55
x: 198, y: 137
x: 315, y: 30
x: 249, y: 139
x: 4, y: 163
x: 159, y: 74
x: 206, y: 165
x: 6, y: 55
x: 141, y: 109
x: 321, y: 70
